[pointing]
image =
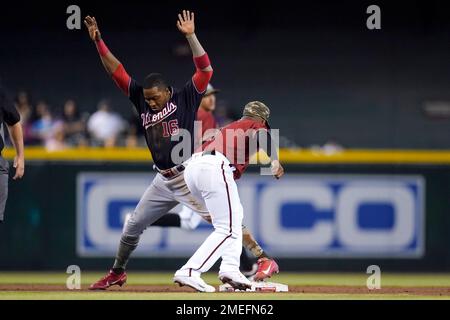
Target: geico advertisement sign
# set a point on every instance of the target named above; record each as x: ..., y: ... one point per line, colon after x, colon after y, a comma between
x: 296, y: 216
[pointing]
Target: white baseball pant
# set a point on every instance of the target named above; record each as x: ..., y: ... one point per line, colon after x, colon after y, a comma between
x: 210, y: 180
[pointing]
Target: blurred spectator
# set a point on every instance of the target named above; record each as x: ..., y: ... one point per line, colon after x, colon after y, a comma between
x: 205, y: 115
x: 46, y: 129
x: 25, y: 109
x: 329, y: 148
x: 74, y: 126
x: 135, y: 133
x: 56, y: 140
x: 105, y: 126
x: 42, y: 123
x: 23, y: 105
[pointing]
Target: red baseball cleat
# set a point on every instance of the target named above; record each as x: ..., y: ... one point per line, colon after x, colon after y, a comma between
x: 109, y: 280
x: 266, y: 268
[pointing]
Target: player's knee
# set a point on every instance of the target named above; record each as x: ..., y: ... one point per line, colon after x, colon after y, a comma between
x: 225, y: 230
x: 130, y: 240
x: 133, y: 228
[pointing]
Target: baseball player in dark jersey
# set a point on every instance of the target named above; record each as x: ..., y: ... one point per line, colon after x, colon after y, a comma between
x: 10, y: 116
x: 210, y: 176
x: 164, y: 112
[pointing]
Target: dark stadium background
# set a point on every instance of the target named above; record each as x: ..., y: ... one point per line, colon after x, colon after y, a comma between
x: 315, y: 60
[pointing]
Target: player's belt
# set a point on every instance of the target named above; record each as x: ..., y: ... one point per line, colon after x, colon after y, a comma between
x: 169, y: 173
x: 213, y: 153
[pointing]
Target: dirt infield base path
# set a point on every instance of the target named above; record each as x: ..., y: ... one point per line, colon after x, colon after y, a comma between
x: 427, y: 291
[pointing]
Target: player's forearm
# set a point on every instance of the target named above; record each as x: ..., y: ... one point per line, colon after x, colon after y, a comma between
x: 113, y: 66
x: 249, y: 242
x: 270, y: 147
x: 204, y: 71
x: 196, y: 47
x: 198, y: 53
x: 15, y: 132
x: 108, y: 60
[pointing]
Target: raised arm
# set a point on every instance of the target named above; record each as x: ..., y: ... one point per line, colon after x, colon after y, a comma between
x: 203, y: 67
x: 112, y: 65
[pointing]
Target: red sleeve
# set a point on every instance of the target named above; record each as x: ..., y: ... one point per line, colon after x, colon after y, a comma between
x: 122, y: 79
x: 101, y: 48
x: 201, y: 78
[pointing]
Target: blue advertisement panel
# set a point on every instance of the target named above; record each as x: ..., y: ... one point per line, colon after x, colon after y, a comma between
x: 348, y: 216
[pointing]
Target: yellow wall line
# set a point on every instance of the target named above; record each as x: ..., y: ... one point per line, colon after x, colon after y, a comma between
x: 351, y: 156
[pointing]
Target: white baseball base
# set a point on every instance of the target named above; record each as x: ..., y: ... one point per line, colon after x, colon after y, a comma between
x: 260, y: 286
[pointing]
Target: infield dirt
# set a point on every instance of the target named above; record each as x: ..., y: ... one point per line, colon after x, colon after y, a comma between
x: 428, y: 291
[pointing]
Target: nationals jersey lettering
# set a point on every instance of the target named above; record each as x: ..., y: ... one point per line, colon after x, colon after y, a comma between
x: 151, y: 119
x: 160, y: 126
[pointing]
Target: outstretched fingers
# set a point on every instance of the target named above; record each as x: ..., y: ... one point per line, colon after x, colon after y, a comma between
x: 180, y: 18
x: 89, y: 22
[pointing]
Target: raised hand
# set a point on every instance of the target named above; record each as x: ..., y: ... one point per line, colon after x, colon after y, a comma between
x: 92, y: 27
x: 185, y: 23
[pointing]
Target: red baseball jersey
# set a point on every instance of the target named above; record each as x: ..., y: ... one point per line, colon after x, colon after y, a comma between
x: 208, y: 122
x: 234, y: 142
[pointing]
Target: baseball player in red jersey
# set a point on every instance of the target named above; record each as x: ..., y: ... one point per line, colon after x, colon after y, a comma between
x: 210, y: 176
x: 188, y: 219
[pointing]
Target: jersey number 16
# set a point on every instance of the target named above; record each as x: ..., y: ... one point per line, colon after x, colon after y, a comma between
x: 170, y: 128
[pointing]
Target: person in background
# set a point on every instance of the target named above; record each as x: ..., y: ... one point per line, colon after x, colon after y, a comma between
x: 205, y: 115
x: 74, y: 126
x: 25, y: 109
x: 135, y: 136
x: 48, y: 130
x: 41, y: 127
x: 55, y: 141
x: 105, y: 126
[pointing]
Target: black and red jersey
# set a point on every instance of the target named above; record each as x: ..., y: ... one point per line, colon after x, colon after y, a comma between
x: 179, y: 113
